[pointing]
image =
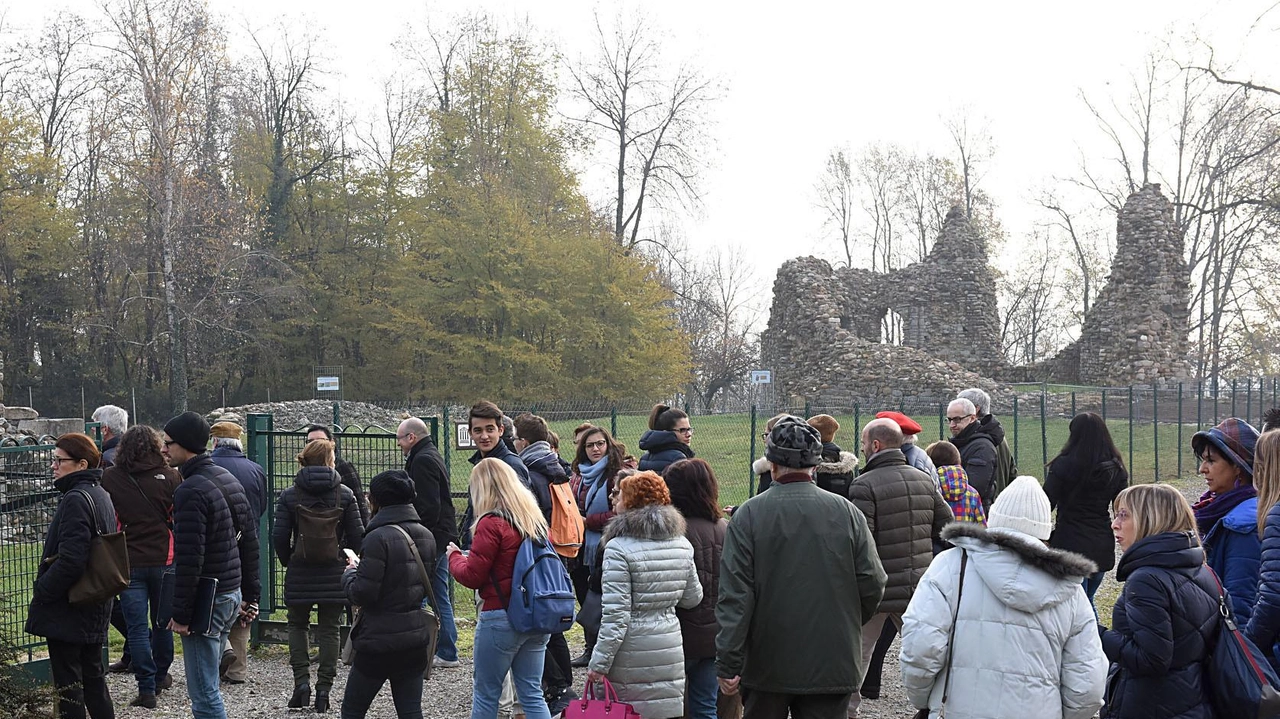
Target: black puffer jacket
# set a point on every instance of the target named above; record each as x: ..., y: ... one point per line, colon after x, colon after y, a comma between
x: 978, y: 457
x: 1162, y: 629
x: 1083, y: 500
x: 204, y: 535
x: 387, y: 585
x: 661, y: 448
x: 63, y: 561
x: 308, y: 583
x: 837, y: 470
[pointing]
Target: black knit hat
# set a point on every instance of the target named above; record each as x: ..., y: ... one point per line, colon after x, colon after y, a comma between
x: 392, y: 487
x: 190, y: 431
x: 793, y: 443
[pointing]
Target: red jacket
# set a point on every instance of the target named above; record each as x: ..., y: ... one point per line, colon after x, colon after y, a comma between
x: 492, y: 559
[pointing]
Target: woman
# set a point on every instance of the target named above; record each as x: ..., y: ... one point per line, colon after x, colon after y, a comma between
x: 391, y: 638
x: 507, y: 514
x: 836, y: 472
x: 666, y: 440
x: 1023, y: 640
x: 1264, y: 625
x: 317, y: 501
x: 1165, y: 614
x: 1081, y: 483
x: 695, y: 494
x: 1227, y: 513
x: 597, y: 460
x: 74, y: 633
x: 648, y: 572
x: 141, y: 485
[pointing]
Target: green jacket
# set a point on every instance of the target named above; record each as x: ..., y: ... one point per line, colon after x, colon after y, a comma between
x: 799, y: 576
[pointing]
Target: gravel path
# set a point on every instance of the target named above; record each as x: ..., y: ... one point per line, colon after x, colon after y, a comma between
x: 447, y: 694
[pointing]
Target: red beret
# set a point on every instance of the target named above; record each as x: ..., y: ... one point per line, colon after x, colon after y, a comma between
x: 908, y: 425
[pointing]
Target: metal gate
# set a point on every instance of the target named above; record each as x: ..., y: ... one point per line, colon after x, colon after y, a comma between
x: 371, y: 450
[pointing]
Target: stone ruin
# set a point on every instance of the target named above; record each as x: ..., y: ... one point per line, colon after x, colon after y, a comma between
x: 26, y: 506
x: 825, y: 340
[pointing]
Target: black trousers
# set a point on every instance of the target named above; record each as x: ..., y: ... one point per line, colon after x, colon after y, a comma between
x: 365, y: 680
x: 556, y: 672
x: 770, y: 705
x: 81, y: 680
x: 117, y: 621
x: 876, y: 667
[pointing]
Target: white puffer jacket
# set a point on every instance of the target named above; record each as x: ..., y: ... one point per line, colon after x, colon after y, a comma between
x: 648, y: 572
x: 1026, y: 642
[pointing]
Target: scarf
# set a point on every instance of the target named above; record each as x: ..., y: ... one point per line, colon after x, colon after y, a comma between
x: 594, y: 486
x: 1211, y: 508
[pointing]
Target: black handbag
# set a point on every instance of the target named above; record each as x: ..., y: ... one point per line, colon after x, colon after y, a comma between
x: 946, y: 687
x: 107, y: 573
x: 348, y: 654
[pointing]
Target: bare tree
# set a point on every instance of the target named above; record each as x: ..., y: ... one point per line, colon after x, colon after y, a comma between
x: 974, y: 147
x: 1033, y: 320
x: 1065, y: 221
x: 59, y: 77
x: 655, y: 121
x: 835, y: 190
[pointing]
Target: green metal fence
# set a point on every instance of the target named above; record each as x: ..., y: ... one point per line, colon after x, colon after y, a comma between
x: 27, y: 504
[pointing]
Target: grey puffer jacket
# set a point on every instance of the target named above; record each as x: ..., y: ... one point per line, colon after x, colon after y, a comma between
x: 648, y: 572
x: 1026, y: 644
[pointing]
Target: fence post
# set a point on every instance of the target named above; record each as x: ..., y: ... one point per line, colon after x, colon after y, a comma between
x: 1234, y: 389
x: 808, y: 412
x: 337, y: 416
x: 1073, y: 404
x: 446, y: 432
x: 1179, y: 430
x: 1248, y: 398
x: 1104, y: 405
x: 942, y: 415
x: 751, y: 475
x: 259, y: 450
x: 857, y: 426
x: 1155, y: 426
x: 1044, y: 431
x: 613, y: 421
x: 1015, y: 429
x: 1130, y: 427
x: 1217, y: 395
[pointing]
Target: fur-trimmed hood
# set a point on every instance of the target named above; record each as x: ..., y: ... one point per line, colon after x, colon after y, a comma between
x: 848, y: 462
x: 760, y: 466
x: 656, y: 522
x: 1020, y: 570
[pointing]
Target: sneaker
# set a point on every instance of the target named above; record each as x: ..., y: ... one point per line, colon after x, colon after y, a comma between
x: 441, y: 663
x: 163, y: 683
x: 147, y: 701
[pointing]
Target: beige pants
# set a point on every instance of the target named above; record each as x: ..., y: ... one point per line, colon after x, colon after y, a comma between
x: 239, y: 640
x: 870, y: 633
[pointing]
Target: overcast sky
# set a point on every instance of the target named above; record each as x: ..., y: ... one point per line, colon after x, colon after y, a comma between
x: 803, y: 77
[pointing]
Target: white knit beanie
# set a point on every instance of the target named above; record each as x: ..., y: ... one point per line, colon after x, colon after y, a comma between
x: 1023, y: 507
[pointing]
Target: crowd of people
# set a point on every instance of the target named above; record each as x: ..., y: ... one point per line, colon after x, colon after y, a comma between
x: 785, y: 605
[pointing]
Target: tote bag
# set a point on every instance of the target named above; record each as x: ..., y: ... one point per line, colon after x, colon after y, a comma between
x: 591, y: 707
x: 107, y: 573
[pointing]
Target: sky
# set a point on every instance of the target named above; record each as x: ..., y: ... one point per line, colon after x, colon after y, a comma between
x: 801, y: 78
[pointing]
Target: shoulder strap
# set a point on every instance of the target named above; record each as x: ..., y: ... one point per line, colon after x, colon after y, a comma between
x: 93, y: 511
x: 422, y: 568
x: 163, y: 518
x: 951, y: 648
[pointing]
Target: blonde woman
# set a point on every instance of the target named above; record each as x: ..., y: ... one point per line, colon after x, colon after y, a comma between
x: 1168, y: 609
x: 506, y: 514
x: 1264, y: 624
x: 315, y: 581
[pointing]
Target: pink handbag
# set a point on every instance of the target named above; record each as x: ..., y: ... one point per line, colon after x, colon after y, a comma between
x: 589, y: 707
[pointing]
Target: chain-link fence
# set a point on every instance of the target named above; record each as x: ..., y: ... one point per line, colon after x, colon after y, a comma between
x: 27, y: 504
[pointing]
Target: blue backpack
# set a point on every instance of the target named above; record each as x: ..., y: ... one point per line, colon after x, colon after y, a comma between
x: 542, y: 597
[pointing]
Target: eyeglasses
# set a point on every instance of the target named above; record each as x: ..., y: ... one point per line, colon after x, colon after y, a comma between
x: 600, y: 444
x: 1121, y: 516
x: 683, y: 430
x: 60, y: 460
x: 958, y: 420
x: 170, y: 443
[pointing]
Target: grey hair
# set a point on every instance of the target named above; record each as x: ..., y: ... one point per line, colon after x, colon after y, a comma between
x: 231, y: 442
x: 112, y: 417
x: 965, y: 404
x: 980, y: 399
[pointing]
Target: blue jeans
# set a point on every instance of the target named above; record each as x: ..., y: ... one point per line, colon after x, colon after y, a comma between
x: 150, y: 646
x: 200, y: 655
x: 500, y: 649
x: 447, y: 643
x: 1091, y: 584
x: 700, y: 687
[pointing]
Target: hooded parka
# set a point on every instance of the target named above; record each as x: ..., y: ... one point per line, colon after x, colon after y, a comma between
x: 648, y: 572
x: 315, y: 583
x: 661, y: 448
x: 1162, y: 628
x: 1026, y: 643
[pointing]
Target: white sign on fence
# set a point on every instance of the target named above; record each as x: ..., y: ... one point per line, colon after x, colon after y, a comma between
x: 326, y: 384
x: 462, y: 436
x: 761, y: 376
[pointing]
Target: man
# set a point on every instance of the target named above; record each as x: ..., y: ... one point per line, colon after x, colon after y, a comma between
x: 214, y: 536
x: 977, y: 448
x: 533, y: 441
x: 799, y: 577
x: 488, y: 426
x: 434, y: 505
x: 346, y: 470
x: 1006, y: 463
x: 906, y: 514
x: 114, y: 421
x: 228, y: 453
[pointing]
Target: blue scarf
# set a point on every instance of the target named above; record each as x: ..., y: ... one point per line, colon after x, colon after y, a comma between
x: 594, y: 485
